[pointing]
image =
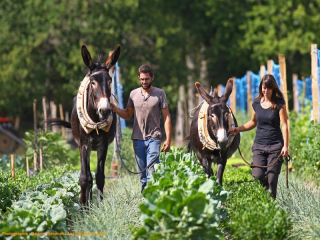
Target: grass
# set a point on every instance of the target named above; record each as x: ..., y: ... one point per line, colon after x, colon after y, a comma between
x: 126, y: 152
x: 114, y: 217
x: 301, y: 200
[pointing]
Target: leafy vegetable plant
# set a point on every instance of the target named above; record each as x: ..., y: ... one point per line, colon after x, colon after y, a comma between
x: 181, y: 202
x: 44, y: 209
x: 252, y: 214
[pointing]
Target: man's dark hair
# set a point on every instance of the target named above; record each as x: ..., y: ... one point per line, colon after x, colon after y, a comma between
x: 146, y: 69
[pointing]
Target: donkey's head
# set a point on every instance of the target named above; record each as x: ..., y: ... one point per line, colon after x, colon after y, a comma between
x: 100, y: 82
x: 218, y: 113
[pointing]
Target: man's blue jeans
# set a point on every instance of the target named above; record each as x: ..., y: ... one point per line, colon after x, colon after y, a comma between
x: 146, y: 151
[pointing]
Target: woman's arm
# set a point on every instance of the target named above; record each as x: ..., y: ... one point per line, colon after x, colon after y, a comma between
x: 252, y: 123
x: 284, y: 119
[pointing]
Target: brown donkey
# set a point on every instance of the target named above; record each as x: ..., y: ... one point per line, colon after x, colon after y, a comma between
x: 209, y: 131
x: 93, y: 123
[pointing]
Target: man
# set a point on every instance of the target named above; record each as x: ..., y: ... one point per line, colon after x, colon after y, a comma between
x: 146, y: 102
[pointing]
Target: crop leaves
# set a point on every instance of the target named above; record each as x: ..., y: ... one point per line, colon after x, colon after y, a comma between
x: 45, y: 208
x: 181, y: 201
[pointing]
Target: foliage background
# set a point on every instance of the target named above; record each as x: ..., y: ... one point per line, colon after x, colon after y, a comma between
x: 41, y: 40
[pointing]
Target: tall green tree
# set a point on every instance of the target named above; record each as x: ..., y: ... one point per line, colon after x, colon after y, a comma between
x: 41, y: 40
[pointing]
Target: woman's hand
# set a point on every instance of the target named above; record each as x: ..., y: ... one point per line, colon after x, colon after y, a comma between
x: 234, y: 131
x: 113, y: 107
x: 285, y: 151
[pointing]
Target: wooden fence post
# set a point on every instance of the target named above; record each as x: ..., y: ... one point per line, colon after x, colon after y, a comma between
x: 249, y: 94
x: 40, y: 153
x: 295, y: 93
x: 186, y: 117
x: 63, y: 132
x: 28, y: 170
x: 12, y: 166
x: 269, y: 67
x: 262, y: 71
x: 219, y: 88
x: 283, y: 83
x: 53, y: 110
x: 283, y: 78
x: 314, y: 80
x: 35, y: 133
x: 233, y: 99
x: 44, y: 106
x: 180, y: 120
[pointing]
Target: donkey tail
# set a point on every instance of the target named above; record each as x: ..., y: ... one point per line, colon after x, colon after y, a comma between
x: 58, y: 122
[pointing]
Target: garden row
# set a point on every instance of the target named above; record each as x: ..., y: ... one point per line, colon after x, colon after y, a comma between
x: 43, y: 209
x: 181, y: 203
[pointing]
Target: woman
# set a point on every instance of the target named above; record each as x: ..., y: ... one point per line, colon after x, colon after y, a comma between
x: 269, y: 110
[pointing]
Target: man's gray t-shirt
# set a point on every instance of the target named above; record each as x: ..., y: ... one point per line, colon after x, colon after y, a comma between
x: 147, y: 112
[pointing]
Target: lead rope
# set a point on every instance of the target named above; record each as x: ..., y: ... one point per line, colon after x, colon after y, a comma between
x: 288, y: 158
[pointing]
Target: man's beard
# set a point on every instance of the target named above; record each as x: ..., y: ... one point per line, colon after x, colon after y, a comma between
x: 146, y: 87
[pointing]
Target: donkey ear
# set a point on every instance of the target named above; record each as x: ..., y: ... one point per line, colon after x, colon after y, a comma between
x: 113, y: 58
x: 203, y: 93
x: 227, y: 91
x: 87, y: 57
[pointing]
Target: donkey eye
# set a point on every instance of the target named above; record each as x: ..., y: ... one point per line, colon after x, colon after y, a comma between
x: 226, y: 115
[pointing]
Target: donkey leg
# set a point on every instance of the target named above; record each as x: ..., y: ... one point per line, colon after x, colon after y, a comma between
x: 220, y: 169
x: 100, y: 177
x: 207, y: 167
x: 85, y: 179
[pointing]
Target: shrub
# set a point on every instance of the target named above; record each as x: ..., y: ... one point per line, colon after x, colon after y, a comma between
x: 55, y: 149
x: 305, y: 146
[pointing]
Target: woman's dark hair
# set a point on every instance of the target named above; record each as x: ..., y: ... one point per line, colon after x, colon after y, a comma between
x: 146, y: 69
x: 270, y: 82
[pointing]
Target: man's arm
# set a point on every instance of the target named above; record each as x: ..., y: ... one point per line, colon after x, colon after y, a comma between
x: 167, y: 128
x: 123, y: 113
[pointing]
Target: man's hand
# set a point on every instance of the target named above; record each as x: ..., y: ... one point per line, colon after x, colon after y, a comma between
x: 166, y: 146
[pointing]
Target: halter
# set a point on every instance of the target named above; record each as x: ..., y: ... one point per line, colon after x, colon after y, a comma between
x: 204, y: 136
x: 86, y: 122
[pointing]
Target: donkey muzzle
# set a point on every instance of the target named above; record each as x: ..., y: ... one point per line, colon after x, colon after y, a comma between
x: 222, y: 138
x: 103, y: 108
